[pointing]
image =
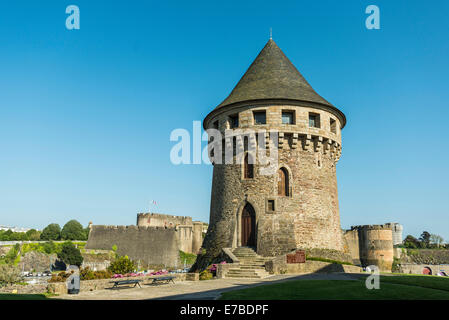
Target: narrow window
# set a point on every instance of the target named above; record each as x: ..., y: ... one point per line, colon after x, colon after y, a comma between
x: 333, y: 125
x: 234, y: 121
x: 314, y: 120
x: 215, y: 125
x: 270, y: 205
x: 260, y: 117
x: 248, y: 170
x: 283, y: 183
x: 288, y: 117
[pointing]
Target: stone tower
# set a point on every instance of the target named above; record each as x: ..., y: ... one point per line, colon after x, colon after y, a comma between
x: 297, y: 205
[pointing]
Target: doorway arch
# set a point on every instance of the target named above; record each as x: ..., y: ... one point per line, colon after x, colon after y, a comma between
x: 248, y: 226
x: 427, y: 271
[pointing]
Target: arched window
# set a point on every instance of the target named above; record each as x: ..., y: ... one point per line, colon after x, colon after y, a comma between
x: 283, y: 183
x: 248, y: 167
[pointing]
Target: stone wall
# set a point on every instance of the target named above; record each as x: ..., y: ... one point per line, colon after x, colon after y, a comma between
x: 424, y: 256
x: 309, y: 216
x: 149, y: 245
x: 352, y: 241
x: 372, y: 244
x: 197, y: 240
x: 412, y: 268
x: 281, y: 267
x: 35, y: 261
x: 162, y: 220
x: 190, y: 238
x: 101, y: 284
x: 185, y: 237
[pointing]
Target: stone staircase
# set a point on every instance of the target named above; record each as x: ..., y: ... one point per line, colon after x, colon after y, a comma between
x: 251, y: 265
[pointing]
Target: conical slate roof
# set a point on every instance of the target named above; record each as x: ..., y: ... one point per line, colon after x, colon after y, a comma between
x: 272, y: 76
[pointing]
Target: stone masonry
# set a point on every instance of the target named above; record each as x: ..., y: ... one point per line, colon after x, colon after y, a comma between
x: 307, y: 216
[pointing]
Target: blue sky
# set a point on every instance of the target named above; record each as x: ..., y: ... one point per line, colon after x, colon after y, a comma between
x: 86, y: 115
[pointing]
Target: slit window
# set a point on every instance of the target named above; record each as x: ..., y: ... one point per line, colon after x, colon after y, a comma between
x: 270, y: 205
x: 248, y: 167
x: 333, y: 125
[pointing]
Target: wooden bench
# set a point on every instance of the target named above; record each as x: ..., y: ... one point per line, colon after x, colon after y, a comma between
x: 165, y: 279
x: 123, y: 282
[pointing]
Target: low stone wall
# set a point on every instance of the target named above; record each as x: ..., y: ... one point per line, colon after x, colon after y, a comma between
x: 412, y: 268
x: 96, y: 266
x: 100, y: 284
x: 279, y: 265
x: 24, y: 289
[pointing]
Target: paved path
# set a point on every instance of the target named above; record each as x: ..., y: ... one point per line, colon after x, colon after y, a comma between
x: 197, y: 290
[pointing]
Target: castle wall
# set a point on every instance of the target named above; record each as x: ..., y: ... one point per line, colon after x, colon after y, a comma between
x: 150, y: 245
x: 162, y: 220
x: 352, y: 240
x: 397, y: 233
x: 374, y: 244
x: 185, y: 238
x: 197, y: 240
x: 309, y: 216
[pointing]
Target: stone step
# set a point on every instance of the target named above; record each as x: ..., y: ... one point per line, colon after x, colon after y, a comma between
x: 247, y: 277
x: 253, y: 265
x: 243, y: 261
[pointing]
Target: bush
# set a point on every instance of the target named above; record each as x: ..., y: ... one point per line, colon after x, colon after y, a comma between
x: 10, y: 274
x: 13, y: 257
x: 88, y: 274
x: 187, y: 258
x: 122, y: 265
x: 73, y: 230
x: 61, y: 276
x: 206, y: 275
x: 51, y: 232
x: 70, y: 254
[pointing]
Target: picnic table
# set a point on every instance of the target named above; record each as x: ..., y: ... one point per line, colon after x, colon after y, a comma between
x: 122, y: 282
x: 165, y: 279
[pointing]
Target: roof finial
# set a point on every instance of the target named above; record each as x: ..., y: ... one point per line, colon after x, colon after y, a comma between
x: 271, y: 33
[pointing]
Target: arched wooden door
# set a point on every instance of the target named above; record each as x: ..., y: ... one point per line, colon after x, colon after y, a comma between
x: 283, y: 185
x: 248, y: 226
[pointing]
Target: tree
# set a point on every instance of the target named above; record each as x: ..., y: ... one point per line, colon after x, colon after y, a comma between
x: 51, y: 232
x: 70, y: 254
x: 33, y: 234
x: 73, y: 230
x: 436, y: 239
x: 6, y: 235
x: 86, y: 233
x: 411, y: 242
x: 424, y: 239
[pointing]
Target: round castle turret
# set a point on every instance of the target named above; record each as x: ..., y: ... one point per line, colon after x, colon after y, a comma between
x: 375, y: 245
x: 296, y: 206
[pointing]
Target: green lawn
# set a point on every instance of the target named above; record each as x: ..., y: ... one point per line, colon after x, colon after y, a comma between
x: 402, y: 287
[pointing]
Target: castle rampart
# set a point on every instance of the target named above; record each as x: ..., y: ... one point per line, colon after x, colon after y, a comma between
x: 148, y: 245
x: 372, y: 245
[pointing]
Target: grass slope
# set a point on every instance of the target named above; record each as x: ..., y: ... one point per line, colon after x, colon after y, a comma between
x: 391, y: 288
